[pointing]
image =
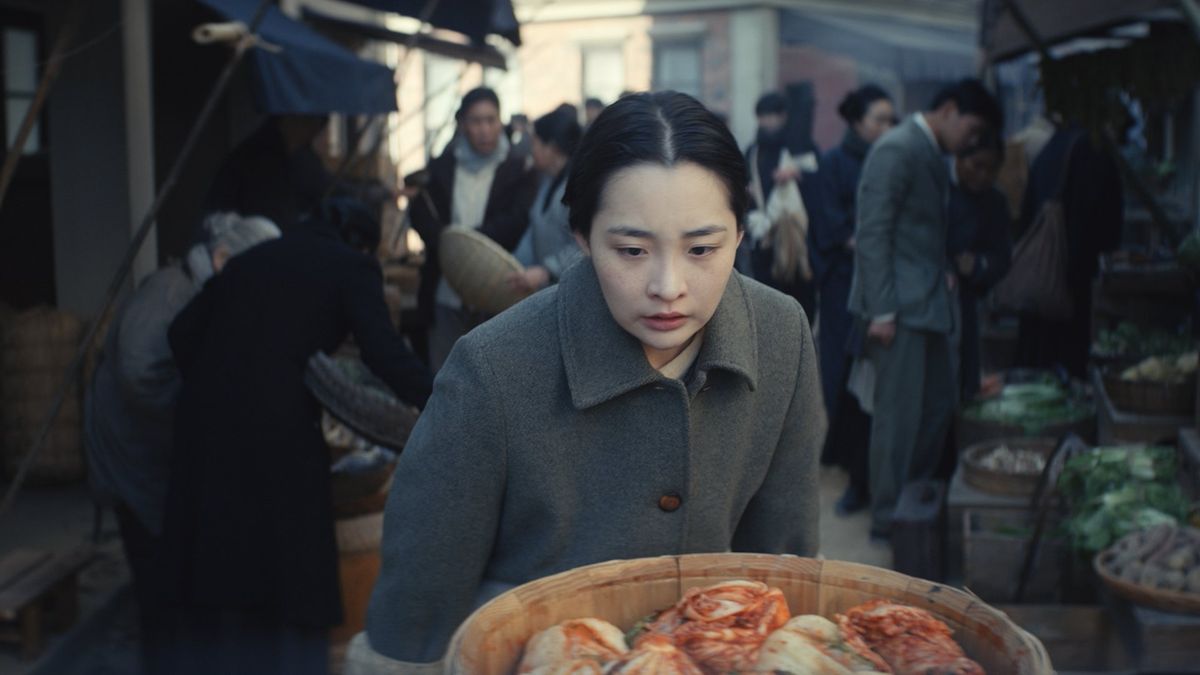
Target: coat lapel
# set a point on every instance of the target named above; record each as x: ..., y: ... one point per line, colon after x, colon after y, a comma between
x: 603, y: 361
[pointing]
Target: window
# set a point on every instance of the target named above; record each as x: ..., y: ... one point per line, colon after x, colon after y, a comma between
x: 678, y: 66
x: 20, y: 67
x: 441, y: 101
x: 603, y: 72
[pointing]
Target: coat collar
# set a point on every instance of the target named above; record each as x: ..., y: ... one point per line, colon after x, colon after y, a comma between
x: 603, y: 361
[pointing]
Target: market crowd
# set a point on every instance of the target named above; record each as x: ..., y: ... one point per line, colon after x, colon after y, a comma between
x: 659, y: 391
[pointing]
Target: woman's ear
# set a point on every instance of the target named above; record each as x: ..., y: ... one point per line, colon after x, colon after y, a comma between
x: 583, y: 243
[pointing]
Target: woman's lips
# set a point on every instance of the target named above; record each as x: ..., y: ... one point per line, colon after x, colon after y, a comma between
x: 664, y: 322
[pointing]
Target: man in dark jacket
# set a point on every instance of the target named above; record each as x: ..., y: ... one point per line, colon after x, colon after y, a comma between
x: 250, y: 558
x: 475, y: 183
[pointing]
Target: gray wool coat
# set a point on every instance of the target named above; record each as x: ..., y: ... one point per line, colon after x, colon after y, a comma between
x: 900, y: 251
x: 550, y: 443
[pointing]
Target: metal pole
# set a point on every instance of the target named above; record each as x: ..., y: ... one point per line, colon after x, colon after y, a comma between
x: 135, y: 245
x: 65, y: 35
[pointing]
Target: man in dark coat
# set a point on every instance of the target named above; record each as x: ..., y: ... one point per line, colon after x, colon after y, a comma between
x: 1093, y: 208
x: 250, y: 558
x: 475, y: 183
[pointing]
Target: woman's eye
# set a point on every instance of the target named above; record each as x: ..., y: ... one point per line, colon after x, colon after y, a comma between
x: 631, y: 252
x: 701, y: 250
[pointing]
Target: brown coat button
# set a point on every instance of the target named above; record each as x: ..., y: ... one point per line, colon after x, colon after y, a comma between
x: 669, y: 502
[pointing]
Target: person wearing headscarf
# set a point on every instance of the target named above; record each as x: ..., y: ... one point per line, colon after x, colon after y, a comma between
x: 475, y: 183
x: 130, y: 403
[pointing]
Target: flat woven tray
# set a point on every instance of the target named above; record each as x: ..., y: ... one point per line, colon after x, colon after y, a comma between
x: 1156, y: 598
x: 999, y: 482
x: 371, y: 412
x: 478, y: 268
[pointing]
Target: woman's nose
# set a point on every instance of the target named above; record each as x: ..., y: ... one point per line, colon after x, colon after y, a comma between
x: 666, y: 281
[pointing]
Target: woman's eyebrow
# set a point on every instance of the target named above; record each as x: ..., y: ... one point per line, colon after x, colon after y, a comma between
x: 627, y: 231
x: 704, y: 231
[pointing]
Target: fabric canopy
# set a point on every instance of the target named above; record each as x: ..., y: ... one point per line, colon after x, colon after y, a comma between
x: 912, y: 50
x: 474, y: 18
x: 484, y: 54
x: 1002, y: 36
x: 310, y: 74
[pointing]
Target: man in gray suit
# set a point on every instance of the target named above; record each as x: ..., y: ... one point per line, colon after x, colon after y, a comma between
x: 902, y: 287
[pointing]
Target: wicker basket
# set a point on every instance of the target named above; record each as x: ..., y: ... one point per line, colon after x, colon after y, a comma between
x: 378, y: 417
x: 478, y: 268
x: 1156, y: 598
x: 999, y: 482
x: 1150, y: 398
x: 491, y: 640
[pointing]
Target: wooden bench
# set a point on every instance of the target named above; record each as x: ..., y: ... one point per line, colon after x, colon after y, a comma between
x: 39, y: 591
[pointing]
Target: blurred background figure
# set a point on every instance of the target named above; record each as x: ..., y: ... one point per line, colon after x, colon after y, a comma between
x: 475, y: 183
x: 979, y: 244
x: 249, y: 556
x: 778, y: 236
x: 518, y: 135
x: 591, y: 109
x: 869, y: 113
x: 548, y: 246
x: 130, y: 406
x: 275, y: 173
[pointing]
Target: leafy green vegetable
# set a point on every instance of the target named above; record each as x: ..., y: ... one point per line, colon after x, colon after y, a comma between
x: 1112, y: 491
x: 1033, y: 406
x: 1133, y: 341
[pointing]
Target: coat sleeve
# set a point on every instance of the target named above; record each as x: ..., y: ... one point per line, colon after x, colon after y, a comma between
x: 881, y: 194
x: 145, y: 370
x: 508, y: 222
x: 834, y: 225
x: 186, y: 332
x: 442, y: 513
x: 383, y: 350
x: 782, y: 517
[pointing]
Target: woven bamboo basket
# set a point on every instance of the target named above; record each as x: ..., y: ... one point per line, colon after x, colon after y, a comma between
x: 1156, y: 598
x: 1150, y: 398
x: 377, y: 416
x: 491, y: 640
x: 358, y: 567
x: 999, y: 482
x: 478, y: 268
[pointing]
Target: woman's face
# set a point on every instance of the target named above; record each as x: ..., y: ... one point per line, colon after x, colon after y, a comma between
x: 879, y: 118
x: 544, y: 154
x: 977, y: 171
x: 663, y: 243
x: 481, y: 125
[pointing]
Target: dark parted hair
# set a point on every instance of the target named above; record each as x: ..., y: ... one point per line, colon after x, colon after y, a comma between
x: 664, y: 128
x: 856, y: 103
x: 475, y: 96
x: 989, y: 140
x: 560, y: 128
x: 771, y: 102
x: 971, y: 98
x: 353, y: 221
x: 593, y: 102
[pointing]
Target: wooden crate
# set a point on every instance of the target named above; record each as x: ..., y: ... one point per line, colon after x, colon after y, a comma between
x: 1116, y: 426
x: 961, y: 498
x: 994, y: 550
x: 1077, y: 637
x: 1157, y: 641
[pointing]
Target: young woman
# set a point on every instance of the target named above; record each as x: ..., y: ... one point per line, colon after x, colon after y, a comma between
x: 650, y: 403
x: 548, y: 247
x: 868, y: 113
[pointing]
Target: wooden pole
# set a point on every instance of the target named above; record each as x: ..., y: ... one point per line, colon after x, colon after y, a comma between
x: 114, y: 289
x: 66, y: 34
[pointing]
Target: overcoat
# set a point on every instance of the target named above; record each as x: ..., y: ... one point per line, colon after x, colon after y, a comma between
x: 550, y: 442
x: 249, y: 517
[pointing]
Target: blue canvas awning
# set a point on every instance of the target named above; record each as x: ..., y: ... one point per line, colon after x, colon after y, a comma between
x: 311, y: 75
x: 474, y: 18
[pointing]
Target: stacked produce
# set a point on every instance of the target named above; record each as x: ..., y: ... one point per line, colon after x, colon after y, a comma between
x: 1164, y: 557
x: 747, y: 627
x: 1163, y: 369
x: 1130, y: 341
x: 1018, y: 461
x: 1112, y: 491
x: 1033, y: 406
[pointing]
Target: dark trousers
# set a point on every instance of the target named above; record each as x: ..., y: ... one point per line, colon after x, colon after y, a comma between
x: 914, y: 402
x: 833, y: 345
x: 141, y: 549
x: 849, y: 441
x: 206, y: 641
